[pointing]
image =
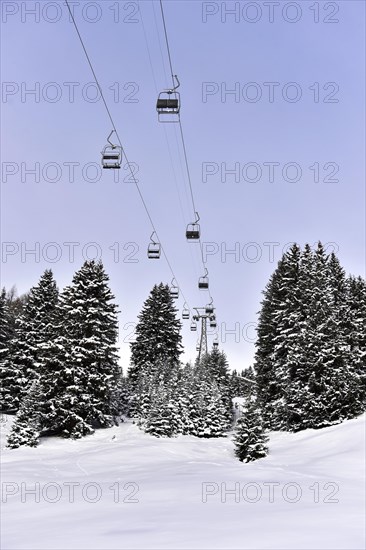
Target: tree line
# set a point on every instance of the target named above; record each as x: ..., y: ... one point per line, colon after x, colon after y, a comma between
x: 60, y: 373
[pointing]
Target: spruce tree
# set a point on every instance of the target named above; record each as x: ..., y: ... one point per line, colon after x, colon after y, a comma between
x: 158, y: 340
x: 26, y: 427
x: 213, y: 368
x: 159, y: 418
x: 305, y: 360
x: 6, y: 375
x: 32, y: 332
x: 322, y: 386
x: 86, y: 365
x: 4, y: 326
x: 242, y: 384
x: 278, y: 325
x: 15, y: 305
x: 250, y: 438
x: 356, y: 333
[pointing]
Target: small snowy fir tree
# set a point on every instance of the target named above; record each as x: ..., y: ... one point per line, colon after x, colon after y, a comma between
x: 250, y: 438
x: 210, y: 403
x: 159, y: 417
x: 25, y: 429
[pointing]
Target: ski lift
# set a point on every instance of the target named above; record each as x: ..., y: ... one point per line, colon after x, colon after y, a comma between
x: 174, y: 290
x: 193, y: 230
x: 185, y: 312
x: 213, y: 323
x: 154, y: 248
x: 193, y: 326
x: 111, y: 155
x: 168, y: 107
x: 209, y: 309
x: 203, y: 281
x: 198, y: 346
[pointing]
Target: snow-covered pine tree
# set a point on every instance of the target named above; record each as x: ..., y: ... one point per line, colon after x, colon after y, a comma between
x: 312, y: 357
x: 15, y: 306
x: 26, y: 427
x: 324, y: 387
x: 250, y: 438
x: 158, y: 339
x: 159, y: 418
x: 5, y: 337
x: 186, y: 411
x: 356, y: 333
x: 210, y: 403
x: 214, y: 369
x: 277, y: 326
x: 243, y: 383
x: 4, y: 328
x: 31, y: 333
x: 89, y: 371
x: 4, y: 323
x: 216, y: 416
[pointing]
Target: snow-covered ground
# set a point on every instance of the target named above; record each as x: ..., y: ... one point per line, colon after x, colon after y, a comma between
x: 121, y: 488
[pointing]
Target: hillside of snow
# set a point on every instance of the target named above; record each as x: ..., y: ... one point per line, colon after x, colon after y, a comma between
x: 121, y: 488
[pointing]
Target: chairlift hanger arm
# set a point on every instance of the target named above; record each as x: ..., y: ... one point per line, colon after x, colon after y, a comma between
x: 109, y: 141
x: 178, y: 83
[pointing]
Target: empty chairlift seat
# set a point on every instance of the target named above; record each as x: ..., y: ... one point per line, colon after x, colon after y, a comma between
x: 193, y: 230
x: 111, y: 155
x: 185, y: 312
x: 174, y: 290
x: 168, y: 104
x: 154, y: 249
x: 203, y: 281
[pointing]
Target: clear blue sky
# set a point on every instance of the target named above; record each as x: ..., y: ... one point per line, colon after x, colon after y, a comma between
x: 213, y: 52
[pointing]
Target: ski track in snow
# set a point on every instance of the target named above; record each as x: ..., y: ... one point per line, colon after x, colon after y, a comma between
x: 169, y: 475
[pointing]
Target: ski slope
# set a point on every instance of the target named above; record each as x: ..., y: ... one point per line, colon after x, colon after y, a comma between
x: 121, y: 488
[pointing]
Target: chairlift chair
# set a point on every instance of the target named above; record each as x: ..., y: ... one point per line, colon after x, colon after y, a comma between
x: 168, y: 107
x: 111, y: 155
x: 209, y: 309
x: 193, y: 230
x: 203, y: 281
x: 213, y: 323
x: 154, y: 249
x: 174, y: 290
x: 193, y: 326
x: 185, y: 312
